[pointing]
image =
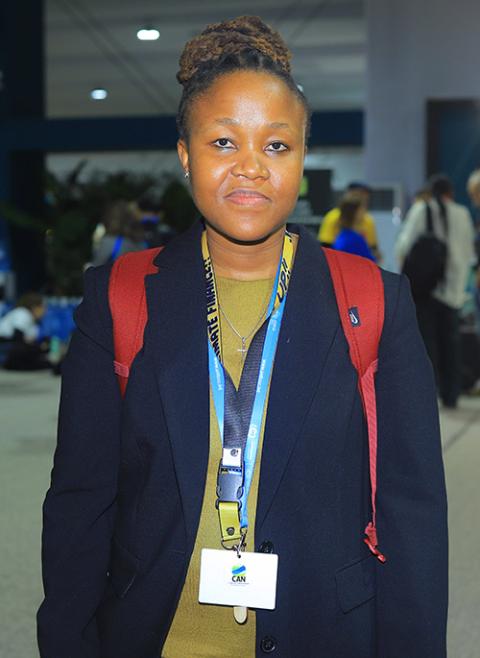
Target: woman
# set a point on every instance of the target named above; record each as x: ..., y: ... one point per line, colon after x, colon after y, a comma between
x: 349, y: 239
x: 134, y: 497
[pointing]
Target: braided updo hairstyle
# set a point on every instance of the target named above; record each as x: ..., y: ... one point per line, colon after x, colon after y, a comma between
x: 243, y: 43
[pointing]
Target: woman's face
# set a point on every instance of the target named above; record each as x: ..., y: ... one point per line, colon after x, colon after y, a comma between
x: 245, y: 154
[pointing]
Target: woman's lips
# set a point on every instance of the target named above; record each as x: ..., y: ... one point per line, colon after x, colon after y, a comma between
x: 247, y: 198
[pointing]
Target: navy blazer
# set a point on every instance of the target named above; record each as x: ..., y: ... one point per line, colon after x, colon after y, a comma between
x: 122, y: 512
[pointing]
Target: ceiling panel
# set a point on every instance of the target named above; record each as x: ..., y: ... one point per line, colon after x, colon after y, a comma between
x: 93, y: 43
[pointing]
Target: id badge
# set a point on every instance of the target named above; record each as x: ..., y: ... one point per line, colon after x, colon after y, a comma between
x: 248, y: 580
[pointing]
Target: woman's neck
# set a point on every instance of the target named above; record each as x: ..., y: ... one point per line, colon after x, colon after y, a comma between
x: 245, y: 261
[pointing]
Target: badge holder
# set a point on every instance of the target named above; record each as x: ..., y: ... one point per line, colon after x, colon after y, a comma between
x: 245, y: 581
x: 234, y: 577
x: 230, y: 481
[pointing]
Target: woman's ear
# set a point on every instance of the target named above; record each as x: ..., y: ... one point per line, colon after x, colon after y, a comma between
x: 182, y: 151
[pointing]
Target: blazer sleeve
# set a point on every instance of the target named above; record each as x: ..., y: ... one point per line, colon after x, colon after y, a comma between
x: 412, y: 587
x: 79, y: 508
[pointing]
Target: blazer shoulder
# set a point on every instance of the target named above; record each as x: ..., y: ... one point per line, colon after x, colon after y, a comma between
x: 93, y: 317
x: 400, y: 311
x: 392, y: 282
x: 395, y: 286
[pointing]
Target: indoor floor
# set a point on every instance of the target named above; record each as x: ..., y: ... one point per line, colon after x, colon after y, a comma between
x: 28, y: 421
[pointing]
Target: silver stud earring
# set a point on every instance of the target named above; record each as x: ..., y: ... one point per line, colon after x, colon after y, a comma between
x: 187, y: 174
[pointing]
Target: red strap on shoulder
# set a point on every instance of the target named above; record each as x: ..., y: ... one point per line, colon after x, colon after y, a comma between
x: 361, y: 304
x: 128, y: 306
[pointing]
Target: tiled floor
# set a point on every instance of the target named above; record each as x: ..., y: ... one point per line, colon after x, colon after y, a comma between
x: 28, y: 406
x: 28, y: 410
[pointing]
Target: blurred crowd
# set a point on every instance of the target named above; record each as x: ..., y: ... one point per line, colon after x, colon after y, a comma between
x: 438, y: 247
x: 130, y: 226
x: 34, y: 333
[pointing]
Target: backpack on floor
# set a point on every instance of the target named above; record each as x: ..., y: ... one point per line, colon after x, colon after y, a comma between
x: 359, y: 293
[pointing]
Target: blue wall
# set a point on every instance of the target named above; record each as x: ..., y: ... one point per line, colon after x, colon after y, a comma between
x: 329, y: 129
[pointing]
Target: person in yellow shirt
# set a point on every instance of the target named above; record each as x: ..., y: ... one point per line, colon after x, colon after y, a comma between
x: 330, y: 226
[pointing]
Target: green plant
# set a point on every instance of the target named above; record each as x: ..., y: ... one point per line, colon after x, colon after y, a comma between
x: 75, y: 205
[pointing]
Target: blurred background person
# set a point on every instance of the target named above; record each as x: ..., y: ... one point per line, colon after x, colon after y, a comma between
x: 4, y: 307
x: 330, y: 226
x: 438, y: 310
x: 473, y: 188
x: 19, y: 331
x: 351, y: 218
x: 423, y: 194
x: 470, y: 314
x: 148, y: 210
x: 122, y: 234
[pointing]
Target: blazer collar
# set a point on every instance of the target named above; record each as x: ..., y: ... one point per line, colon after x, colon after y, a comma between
x: 176, y: 311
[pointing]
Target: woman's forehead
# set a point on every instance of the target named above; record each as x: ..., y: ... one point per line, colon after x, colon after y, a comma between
x: 247, y: 98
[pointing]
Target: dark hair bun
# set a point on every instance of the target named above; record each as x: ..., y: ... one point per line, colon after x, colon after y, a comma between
x: 238, y: 35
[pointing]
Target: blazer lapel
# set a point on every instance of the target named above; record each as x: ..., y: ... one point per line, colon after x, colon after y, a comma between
x: 176, y: 311
x: 309, y: 326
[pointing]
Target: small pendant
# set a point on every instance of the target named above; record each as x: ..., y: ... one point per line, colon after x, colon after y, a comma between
x: 243, y: 349
x: 240, y: 613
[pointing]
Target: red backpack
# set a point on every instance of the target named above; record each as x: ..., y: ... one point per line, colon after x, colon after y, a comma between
x: 359, y: 292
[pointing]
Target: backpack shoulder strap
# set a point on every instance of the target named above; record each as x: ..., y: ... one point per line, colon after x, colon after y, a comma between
x: 429, y: 217
x: 128, y: 306
x: 359, y: 292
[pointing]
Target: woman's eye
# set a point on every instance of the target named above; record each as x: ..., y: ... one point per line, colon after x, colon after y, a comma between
x: 223, y: 143
x: 277, y: 147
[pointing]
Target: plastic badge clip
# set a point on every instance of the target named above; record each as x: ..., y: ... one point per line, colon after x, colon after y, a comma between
x: 232, y: 457
x: 230, y: 484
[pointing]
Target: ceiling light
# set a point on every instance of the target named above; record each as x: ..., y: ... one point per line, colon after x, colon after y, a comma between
x: 98, y: 94
x: 148, y: 34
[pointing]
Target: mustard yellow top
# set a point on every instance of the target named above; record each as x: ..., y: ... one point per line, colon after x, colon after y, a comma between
x: 210, y: 631
x: 330, y: 228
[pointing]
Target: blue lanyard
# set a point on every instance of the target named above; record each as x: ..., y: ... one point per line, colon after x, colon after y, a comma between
x: 217, y: 379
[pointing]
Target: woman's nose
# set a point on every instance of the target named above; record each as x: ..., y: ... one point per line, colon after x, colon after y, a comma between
x: 250, y: 165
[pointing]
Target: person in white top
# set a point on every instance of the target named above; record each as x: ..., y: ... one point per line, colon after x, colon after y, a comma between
x: 20, y: 327
x: 438, y: 314
x: 19, y: 320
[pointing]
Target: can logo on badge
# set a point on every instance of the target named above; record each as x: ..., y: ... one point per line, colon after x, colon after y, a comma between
x: 239, y: 574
